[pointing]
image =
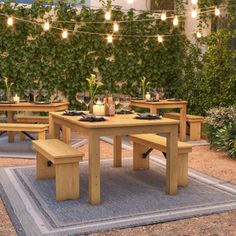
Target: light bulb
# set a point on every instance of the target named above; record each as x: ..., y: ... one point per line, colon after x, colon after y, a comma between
x: 175, y: 21
x: 130, y: 1
x: 194, y: 2
x: 199, y: 35
x: 160, y: 39
x: 163, y: 16
x: 46, y: 26
x: 10, y: 21
x: 115, y: 27
x: 217, y: 11
x: 109, y: 38
x: 64, y: 34
x: 194, y: 13
x: 108, y: 15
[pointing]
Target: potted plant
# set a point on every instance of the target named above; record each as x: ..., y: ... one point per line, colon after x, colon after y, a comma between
x: 144, y: 84
x: 8, y: 86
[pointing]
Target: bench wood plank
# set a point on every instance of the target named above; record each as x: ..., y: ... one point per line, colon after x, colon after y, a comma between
x: 32, y: 119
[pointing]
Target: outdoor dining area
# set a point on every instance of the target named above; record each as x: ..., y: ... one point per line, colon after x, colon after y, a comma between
x: 117, y: 118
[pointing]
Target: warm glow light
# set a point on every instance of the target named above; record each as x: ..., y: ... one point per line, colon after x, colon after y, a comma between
x: 108, y: 15
x: 194, y: 2
x: 160, y: 39
x: 163, y: 16
x: 199, y: 35
x: 64, y: 34
x: 217, y: 11
x: 194, y: 13
x: 130, y: 1
x: 46, y: 26
x: 109, y: 38
x: 175, y: 21
x: 10, y: 21
x: 115, y: 27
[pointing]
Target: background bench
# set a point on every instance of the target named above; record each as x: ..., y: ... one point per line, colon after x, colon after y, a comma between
x: 143, y: 145
x: 40, y: 129
x: 57, y: 159
x: 194, y: 122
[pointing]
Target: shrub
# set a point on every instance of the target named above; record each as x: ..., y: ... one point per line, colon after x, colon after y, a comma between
x: 220, y: 128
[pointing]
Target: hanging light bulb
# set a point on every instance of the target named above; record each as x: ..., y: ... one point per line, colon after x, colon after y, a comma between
x: 10, y: 21
x: 217, y: 11
x: 199, y: 35
x: 175, y: 21
x: 163, y: 15
x: 115, y: 27
x: 64, y: 34
x: 109, y: 38
x: 194, y: 13
x: 194, y: 2
x: 108, y: 15
x: 46, y: 26
x: 130, y: 1
x: 160, y: 39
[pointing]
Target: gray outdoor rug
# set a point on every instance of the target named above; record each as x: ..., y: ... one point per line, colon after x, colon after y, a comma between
x: 128, y: 199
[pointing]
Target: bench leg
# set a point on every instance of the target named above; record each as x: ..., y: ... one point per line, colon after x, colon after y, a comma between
x: 22, y: 136
x: 41, y: 135
x: 195, y: 131
x: 183, y: 170
x: 43, y: 171
x: 140, y: 163
x: 117, y: 151
x: 67, y: 181
x: 11, y: 134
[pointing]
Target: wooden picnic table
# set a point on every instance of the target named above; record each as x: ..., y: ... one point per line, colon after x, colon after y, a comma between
x: 165, y: 104
x: 27, y: 106
x: 116, y: 126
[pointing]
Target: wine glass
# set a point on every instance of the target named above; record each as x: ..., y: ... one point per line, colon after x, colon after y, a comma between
x: 127, y: 102
x: 80, y: 98
x: 1, y: 93
x: 27, y: 93
x: 35, y: 94
x: 44, y: 93
x: 87, y: 101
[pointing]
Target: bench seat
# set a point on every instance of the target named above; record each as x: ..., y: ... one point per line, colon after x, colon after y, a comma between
x: 18, y: 127
x: 144, y: 143
x: 32, y: 119
x: 55, y: 159
x: 194, y: 122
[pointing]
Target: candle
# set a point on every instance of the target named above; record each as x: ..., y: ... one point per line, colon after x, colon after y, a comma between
x: 99, y: 110
x: 148, y: 96
x: 16, y: 99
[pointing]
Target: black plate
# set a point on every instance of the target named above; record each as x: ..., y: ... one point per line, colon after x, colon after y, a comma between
x: 7, y: 102
x: 123, y: 112
x: 174, y: 99
x: 73, y: 113
x: 92, y: 118
x: 57, y: 101
x: 43, y: 102
x: 152, y: 100
x: 147, y: 116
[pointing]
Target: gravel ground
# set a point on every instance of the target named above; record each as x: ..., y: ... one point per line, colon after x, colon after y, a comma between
x: 203, y: 159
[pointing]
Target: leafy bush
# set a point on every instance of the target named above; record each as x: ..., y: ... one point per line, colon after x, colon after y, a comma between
x: 220, y: 128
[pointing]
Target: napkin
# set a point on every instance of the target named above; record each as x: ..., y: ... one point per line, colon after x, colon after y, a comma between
x: 174, y: 99
x: 148, y: 116
x: 72, y: 113
x: 123, y: 111
x: 92, y: 118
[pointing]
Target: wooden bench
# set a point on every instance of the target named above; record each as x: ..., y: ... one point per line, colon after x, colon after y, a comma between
x: 37, y: 128
x: 32, y: 119
x: 194, y: 123
x: 57, y: 159
x: 143, y: 144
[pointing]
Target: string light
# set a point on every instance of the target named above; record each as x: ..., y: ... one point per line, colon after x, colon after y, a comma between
x: 194, y: 2
x: 46, y: 26
x: 64, y: 34
x: 10, y: 21
x: 108, y: 15
x: 194, y: 13
x: 199, y: 35
x: 160, y: 39
x: 115, y: 27
x: 163, y: 15
x: 175, y: 21
x: 109, y: 38
x: 217, y: 11
x: 130, y: 1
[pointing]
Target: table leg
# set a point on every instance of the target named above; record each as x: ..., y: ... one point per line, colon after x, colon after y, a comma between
x: 94, y: 169
x: 182, y: 132
x: 171, y: 161
x: 54, y: 129
x: 10, y: 118
x: 153, y: 110
x: 117, y: 149
x: 66, y: 134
